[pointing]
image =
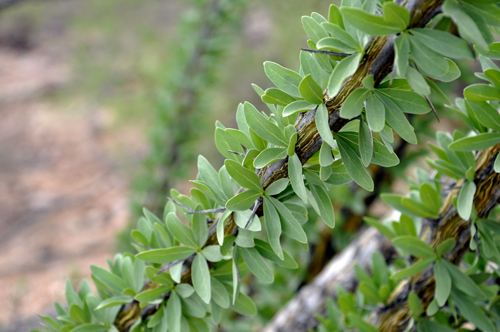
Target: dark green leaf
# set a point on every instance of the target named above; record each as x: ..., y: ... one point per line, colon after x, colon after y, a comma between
x: 402, y: 53
x: 353, y: 165
x: 472, y: 312
x: 396, y: 15
x: 397, y: 120
x: 322, y: 123
x: 354, y: 103
x: 414, y: 246
x: 245, y: 177
x: 371, y: 24
x: 365, y: 143
x: 273, y: 226
x: 419, y: 266
x: 289, y: 223
x: 296, y: 178
x: 267, y: 252
x: 375, y: 112
x: 444, y: 43
x: 476, y: 143
x: 257, y: 265
x: 324, y: 205
x: 486, y: 114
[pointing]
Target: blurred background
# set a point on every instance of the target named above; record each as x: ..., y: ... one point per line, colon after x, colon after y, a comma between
x: 104, y: 106
x: 83, y: 84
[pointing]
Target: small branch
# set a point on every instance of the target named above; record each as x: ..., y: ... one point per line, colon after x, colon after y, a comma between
x: 254, y: 211
x: 207, y: 211
x: 432, y: 106
x: 190, y: 211
x: 342, y: 55
x: 236, y: 152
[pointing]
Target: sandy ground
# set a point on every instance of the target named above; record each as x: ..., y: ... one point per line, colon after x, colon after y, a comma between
x: 62, y: 200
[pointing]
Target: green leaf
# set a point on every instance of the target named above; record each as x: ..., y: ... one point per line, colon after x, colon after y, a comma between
x: 444, y: 43
x: 243, y: 201
x: 463, y: 282
x: 494, y: 76
x: 472, y: 312
x: 284, y: 78
x: 219, y: 294
x: 402, y: 53
x: 497, y: 164
x: 486, y: 114
x: 342, y: 70
x: 263, y: 127
x: 313, y: 29
x: 476, y: 143
x: 406, y: 100
x: 90, y: 328
x: 365, y: 143
x: 212, y: 253
x: 269, y: 156
x: 296, y: 178
x: 467, y: 28
x: 353, y: 164
x: 245, y: 177
x: 225, y: 143
x: 174, y: 313
x: 162, y: 256
x: 465, y: 200
x: 426, y: 59
x: 199, y: 227
x: 277, y: 187
x: 322, y: 123
x: 360, y: 324
x: 324, y: 205
x: 414, y: 246
x: 309, y: 65
x: 443, y: 283
x: 354, y: 103
x: 244, y: 305
x: 445, y: 247
x: 415, y: 305
x: 417, y: 81
x: 396, y: 15
x: 371, y: 24
x: 310, y: 90
x: 325, y: 155
x: 201, y: 277
x: 397, y: 120
x: 152, y: 294
x: 236, y: 272
x: 114, y: 301
x: 481, y: 92
x: 273, y: 226
x: 289, y: 223
x: 375, y: 112
x: 334, y: 45
x: 277, y: 96
x: 430, y: 198
x: 267, y: 252
x: 208, y: 175
x: 419, y: 266
x: 380, y: 227
x: 180, y: 231
x: 430, y: 325
x: 298, y: 106
x: 110, y: 280
x: 342, y: 35
x: 257, y: 265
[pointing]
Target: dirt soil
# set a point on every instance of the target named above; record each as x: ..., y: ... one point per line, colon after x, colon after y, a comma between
x: 62, y: 199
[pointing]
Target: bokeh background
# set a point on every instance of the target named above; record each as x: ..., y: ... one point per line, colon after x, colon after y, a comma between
x: 104, y: 106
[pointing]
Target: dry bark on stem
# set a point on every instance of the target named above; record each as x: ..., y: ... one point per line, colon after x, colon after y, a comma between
x: 298, y: 315
x: 378, y: 60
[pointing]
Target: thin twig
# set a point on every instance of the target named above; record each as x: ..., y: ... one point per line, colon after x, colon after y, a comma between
x: 342, y: 55
x: 432, y: 106
x: 254, y: 211
x: 207, y: 211
x: 236, y: 152
x: 181, y: 205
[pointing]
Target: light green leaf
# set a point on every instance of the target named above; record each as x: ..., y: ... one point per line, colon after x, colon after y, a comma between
x: 236, y: 272
x: 445, y: 247
x: 212, y: 253
x: 335, y: 45
x: 371, y: 24
x: 277, y: 96
x: 375, y: 112
x: 284, y: 78
x: 199, y: 227
x: 313, y: 29
x: 414, y: 246
x: 298, y: 106
x: 277, y: 187
x: 463, y: 282
x: 476, y: 143
x: 341, y: 35
x: 325, y: 155
x: 472, y: 312
x: 110, y: 280
x: 289, y: 223
x: 174, y: 313
x: 322, y: 123
x: 267, y: 252
x: 269, y: 156
x: 342, y: 70
x: 273, y: 226
x: 427, y: 59
x: 257, y: 265
x: 486, y: 114
x: 497, y: 164
x: 296, y: 178
x: 90, y: 328
x: 180, y: 231
x: 415, y: 305
x: 309, y: 65
x: 244, y: 305
x: 365, y: 143
x: 310, y: 90
x: 245, y: 177
x: 162, y: 256
x: 225, y: 143
x: 430, y: 198
x: 263, y: 127
x: 201, y: 277
x: 465, y: 200
x: 243, y: 201
x: 354, y: 103
x: 152, y: 294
